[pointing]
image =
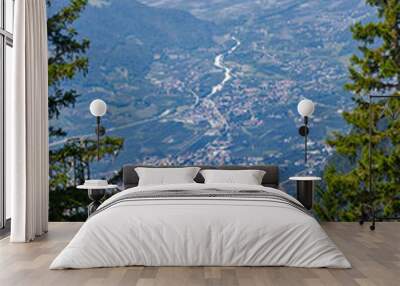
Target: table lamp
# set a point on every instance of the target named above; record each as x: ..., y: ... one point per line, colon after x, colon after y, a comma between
x: 98, y: 108
x: 305, y: 108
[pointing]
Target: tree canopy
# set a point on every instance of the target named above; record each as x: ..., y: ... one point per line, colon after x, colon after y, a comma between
x: 373, y: 71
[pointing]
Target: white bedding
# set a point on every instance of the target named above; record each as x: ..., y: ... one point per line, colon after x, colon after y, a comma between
x: 200, y: 231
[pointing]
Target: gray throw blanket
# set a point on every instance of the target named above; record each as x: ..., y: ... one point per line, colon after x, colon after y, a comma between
x: 206, y: 194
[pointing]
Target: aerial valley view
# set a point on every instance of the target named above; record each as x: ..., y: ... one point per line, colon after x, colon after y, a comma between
x: 215, y: 82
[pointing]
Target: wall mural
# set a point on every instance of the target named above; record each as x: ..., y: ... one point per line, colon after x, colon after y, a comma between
x: 198, y: 82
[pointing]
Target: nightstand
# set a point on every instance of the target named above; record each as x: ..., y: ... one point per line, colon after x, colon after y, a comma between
x: 305, y: 189
x: 96, y: 194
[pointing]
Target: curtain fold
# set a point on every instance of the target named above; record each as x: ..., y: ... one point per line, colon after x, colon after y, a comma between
x: 27, y: 158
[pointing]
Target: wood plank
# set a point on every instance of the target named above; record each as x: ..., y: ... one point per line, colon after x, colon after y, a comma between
x: 375, y: 257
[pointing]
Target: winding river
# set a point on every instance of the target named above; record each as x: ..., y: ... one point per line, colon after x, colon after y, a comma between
x: 218, y: 121
x: 219, y: 63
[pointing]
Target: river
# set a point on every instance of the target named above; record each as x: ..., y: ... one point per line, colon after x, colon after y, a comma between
x: 219, y: 63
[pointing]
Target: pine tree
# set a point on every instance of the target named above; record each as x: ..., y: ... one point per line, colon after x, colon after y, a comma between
x: 70, y: 163
x: 374, y: 70
x: 67, y: 58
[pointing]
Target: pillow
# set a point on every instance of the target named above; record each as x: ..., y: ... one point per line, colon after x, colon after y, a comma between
x: 165, y: 176
x: 248, y: 177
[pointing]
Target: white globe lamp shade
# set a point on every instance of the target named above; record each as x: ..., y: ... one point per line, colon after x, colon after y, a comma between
x: 98, y: 107
x: 305, y: 107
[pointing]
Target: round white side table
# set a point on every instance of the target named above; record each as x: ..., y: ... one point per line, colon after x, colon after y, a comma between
x: 305, y: 189
x: 96, y: 194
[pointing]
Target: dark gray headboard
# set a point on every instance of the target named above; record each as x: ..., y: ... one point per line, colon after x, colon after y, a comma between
x: 271, y: 177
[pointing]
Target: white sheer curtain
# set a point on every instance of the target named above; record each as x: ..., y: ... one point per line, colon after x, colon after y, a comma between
x: 27, y: 161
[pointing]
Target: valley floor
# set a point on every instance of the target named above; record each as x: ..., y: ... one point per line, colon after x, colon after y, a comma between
x: 375, y: 257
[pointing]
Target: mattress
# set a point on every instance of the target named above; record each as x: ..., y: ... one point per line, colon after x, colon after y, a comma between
x: 201, y: 225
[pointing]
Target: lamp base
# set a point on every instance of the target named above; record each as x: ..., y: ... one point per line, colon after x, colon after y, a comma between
x: 303, y: 130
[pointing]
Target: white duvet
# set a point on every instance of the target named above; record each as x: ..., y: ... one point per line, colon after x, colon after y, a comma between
x: 193, y: 231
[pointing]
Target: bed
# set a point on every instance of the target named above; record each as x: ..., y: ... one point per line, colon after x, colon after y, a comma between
x: 197, y: 224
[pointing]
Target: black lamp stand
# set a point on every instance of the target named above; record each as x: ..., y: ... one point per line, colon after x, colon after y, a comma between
x: 303, y: 131
x: 100, y: 131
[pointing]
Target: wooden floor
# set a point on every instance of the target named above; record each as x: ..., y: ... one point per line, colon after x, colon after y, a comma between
x: 375, y: 257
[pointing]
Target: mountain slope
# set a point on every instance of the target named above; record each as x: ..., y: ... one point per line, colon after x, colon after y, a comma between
x: 126, y: 31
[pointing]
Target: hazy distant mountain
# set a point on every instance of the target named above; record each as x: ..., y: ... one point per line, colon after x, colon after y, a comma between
x: 128, y: 32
